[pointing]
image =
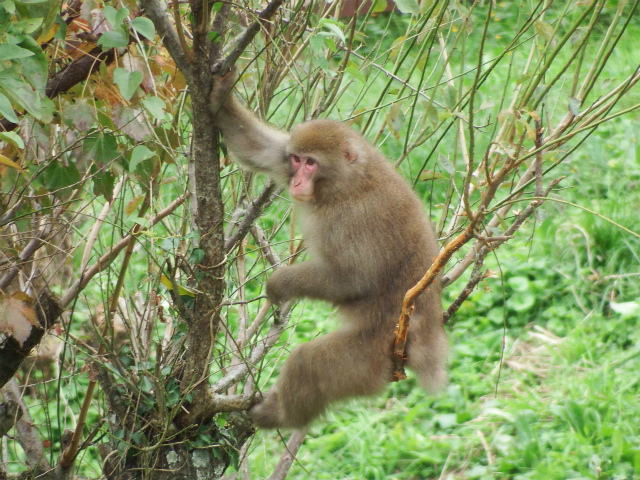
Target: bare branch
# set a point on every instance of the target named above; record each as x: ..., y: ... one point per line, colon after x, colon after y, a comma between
x: 224, y: 66
x: 27, y: 433
x: 252, y: 211
x: 10, y: 413
x: 34, y: 244
x: 476, y: 277
x: 289, y: 455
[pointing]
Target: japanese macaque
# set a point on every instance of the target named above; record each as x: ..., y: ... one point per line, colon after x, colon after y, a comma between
x: 368, y: 240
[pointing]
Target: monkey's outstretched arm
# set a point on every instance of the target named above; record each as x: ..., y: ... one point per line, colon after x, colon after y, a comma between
x: 312, y: 279
x: 253, y: 144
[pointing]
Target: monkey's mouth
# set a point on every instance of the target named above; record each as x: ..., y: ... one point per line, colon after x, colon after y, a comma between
x: 300, y: 191
x: 301, y: 197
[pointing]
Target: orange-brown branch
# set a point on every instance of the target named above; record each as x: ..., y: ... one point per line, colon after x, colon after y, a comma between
x: 400, y: 340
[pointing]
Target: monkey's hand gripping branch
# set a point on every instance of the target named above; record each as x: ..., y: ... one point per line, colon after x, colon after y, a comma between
x: 408, y: 304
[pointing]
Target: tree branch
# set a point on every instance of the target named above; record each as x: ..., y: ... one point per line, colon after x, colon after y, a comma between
x: 224, y: 65
x: 289, y: 455
x: 27, y: 433
x: 253, y: 210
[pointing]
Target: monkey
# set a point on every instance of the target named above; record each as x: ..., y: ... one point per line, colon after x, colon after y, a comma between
x: 368, y: 241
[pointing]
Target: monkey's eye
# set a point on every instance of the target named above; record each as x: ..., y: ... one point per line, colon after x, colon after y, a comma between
x: 311, y: 162
x: 295, y: 159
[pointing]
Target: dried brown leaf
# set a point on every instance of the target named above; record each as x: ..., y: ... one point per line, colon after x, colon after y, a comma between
x: 17, y: 316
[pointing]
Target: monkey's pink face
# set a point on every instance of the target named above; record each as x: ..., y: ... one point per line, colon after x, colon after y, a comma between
x: 302, y: 182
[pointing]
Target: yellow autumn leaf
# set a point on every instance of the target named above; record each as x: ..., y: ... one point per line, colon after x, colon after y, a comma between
x: 10, y: 163
x: 181, y: 290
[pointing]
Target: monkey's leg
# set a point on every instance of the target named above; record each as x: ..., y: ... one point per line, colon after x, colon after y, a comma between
x: 427, y: 350
x: 343, y: 364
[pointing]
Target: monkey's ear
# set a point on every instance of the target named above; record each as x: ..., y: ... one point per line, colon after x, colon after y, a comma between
x: 349, y: 151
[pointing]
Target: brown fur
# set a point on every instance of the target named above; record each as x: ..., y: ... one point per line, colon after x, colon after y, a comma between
x: 369, y: 241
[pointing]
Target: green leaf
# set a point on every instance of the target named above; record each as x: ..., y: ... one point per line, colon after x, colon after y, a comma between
x: 102, y: 148
x: 519, y: 284
x: 353, y: 70
x: 544, y: 30
x: 113, y: 39
x: 462, y: 10
x: 6, y: 110
x: 115, y: 17
x: 574, y: 105
x: 522, y: 126
x: 103, y: 182
x: 23, y: 94
x: 432, y: 114
x: 334, y: 27
x: 380, y: 6
x: 9, y: 7
x: 182, y: 290
x: 58, y: 176
x: 61, y: 33
x: 396, y: 119
x: 450, y: 96
x: 408, y: 6
x: 396, y: 46
x: 139, y: 154
x: 120, y: 16
x: 317, y: 44
x: 575, y: 416
x: 128, y: 82
x: 155, y: 106
x: 521, y: 302
x: 145, y: 385
x: 9, y: 52
x: 523, y: 78
x: 444, y: 162
x: 35, y: 68
x: 463, y: 416
x: 445, y: 420
x: 197, y: 255
x: 28, y: 25
x: 331, y: 43
x: 13, y: 138
x: 144, y: 26
x: 430, y: 175
x: 617, y: 446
